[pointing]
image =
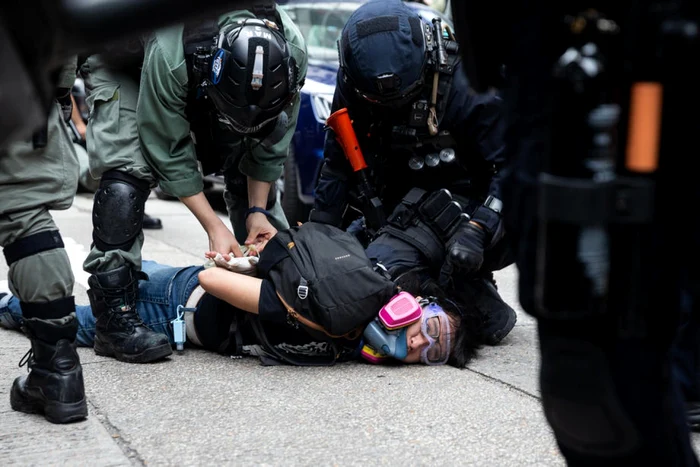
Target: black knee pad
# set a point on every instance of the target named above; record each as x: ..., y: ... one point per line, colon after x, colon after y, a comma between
x: 117, y: 214
x: 580, y: 400
x: 31, y: 245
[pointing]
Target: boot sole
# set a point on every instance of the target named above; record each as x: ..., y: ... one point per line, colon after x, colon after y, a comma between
x: 147, y: 356
x: 54, y: 412
x: 497, y: 337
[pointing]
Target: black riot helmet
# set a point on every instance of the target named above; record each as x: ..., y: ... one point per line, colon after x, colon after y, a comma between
x: 252, y: 75
x: 384, y: 53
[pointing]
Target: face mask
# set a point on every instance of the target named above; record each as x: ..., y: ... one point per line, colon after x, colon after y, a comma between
x: 385, y: 337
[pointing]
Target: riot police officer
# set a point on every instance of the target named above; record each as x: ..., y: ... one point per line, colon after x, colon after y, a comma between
x: 606, y: 262
x: 36, y: 176
x: 222, y: 93
x: 421, y: 127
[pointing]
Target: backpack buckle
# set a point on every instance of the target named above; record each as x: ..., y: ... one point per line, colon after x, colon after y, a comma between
x: 303, y: 289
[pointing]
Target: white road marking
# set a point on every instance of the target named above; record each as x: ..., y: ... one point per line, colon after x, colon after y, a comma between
x: 77, y: 254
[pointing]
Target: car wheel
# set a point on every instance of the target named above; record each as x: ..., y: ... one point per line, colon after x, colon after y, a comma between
x: 160, y: 194
x: 294, y: 209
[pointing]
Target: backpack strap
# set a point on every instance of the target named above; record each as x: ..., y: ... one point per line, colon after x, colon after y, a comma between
x: 296, y: 316
x: 233, y: 344
x: 288, y: 357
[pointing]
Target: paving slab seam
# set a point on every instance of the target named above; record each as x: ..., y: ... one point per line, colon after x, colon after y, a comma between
x: 125, y: 446
x: 511, y: 386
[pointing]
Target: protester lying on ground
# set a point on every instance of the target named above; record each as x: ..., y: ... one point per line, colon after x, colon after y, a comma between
x: 236, y: 314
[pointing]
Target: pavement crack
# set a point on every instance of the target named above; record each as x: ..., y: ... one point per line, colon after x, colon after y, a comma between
x: 131, y: 453
x: 508, y: 385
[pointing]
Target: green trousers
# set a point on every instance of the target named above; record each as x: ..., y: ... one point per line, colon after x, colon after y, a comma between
x: 32, y: 182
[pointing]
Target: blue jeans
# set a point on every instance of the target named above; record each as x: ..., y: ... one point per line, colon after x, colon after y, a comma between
x: 157, y: 304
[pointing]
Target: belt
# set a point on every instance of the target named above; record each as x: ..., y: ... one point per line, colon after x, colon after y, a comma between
x: 191, y: 304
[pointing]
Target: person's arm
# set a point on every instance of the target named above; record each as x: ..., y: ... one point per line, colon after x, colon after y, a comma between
x: 264, y: 163
x: 77, y: 119
x: 238, y: 290
x: 164, y: 132
x: 220, y: 237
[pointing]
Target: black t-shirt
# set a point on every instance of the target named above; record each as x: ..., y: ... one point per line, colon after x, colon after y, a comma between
x: 215, y: 318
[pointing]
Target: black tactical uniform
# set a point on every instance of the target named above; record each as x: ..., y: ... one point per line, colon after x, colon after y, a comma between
x: 420, y: 126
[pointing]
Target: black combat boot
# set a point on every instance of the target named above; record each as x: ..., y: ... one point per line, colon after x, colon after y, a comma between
x: 119, y: 330
x: 152, y: 223
x: 54, y: 385
x: 498, y: 317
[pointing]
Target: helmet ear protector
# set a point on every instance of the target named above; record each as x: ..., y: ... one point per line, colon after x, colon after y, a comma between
x: 385, y: 336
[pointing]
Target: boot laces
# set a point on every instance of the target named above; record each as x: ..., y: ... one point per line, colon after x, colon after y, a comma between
x: 28, y: 359
x: 126, y: 315
x: 122, y: 302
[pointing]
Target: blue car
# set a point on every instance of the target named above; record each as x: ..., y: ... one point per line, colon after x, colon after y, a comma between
x: 321, y: 22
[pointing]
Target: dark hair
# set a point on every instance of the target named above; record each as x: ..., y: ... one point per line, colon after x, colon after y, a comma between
x: 468, y: 333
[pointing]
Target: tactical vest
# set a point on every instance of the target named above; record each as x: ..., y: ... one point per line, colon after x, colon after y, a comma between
x: 407, y: 151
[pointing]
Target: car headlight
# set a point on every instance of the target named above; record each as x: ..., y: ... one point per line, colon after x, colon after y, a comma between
x: 321, y: 104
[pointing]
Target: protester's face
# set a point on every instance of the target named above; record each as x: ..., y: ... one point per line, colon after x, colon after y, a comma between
x: 416, y: 341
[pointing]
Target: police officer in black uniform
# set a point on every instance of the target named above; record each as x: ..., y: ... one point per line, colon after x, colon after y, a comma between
x: 595, y: 188
x: 433, y: 148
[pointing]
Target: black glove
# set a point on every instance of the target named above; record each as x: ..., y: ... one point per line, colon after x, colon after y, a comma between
x: 465, y: 251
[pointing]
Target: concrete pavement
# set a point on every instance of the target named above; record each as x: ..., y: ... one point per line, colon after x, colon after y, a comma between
x: 200, y: 408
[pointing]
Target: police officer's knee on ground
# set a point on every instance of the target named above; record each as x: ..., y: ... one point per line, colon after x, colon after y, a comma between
x: 419, y: 125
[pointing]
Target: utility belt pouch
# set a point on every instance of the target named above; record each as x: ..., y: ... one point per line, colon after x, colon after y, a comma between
x: 405, y: 213
x: 435, y: 204
x: 425, y: 221
x: 447, y: 220
x: 441, y: 213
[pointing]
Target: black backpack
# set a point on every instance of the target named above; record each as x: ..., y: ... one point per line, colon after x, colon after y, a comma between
x: 325, y: 280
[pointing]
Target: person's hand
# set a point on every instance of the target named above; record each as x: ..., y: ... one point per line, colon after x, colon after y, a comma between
x: 260, y: 231
x: 465, y: 251
x: 223, y: 241
x: 82, y: 129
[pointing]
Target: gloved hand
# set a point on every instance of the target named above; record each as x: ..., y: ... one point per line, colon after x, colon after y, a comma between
x: 465, y: 251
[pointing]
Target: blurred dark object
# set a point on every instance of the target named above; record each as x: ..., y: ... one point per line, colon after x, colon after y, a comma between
x: 597, y: 94
x: 36, y: 37
x: 151, y: 223
x: 484, y: 35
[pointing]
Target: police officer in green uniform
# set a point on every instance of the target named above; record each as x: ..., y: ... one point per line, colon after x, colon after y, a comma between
x: 36, y: 176
x: 223, y: 94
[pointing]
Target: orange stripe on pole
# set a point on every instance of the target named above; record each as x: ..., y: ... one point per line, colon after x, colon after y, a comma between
x: 644, y: 128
